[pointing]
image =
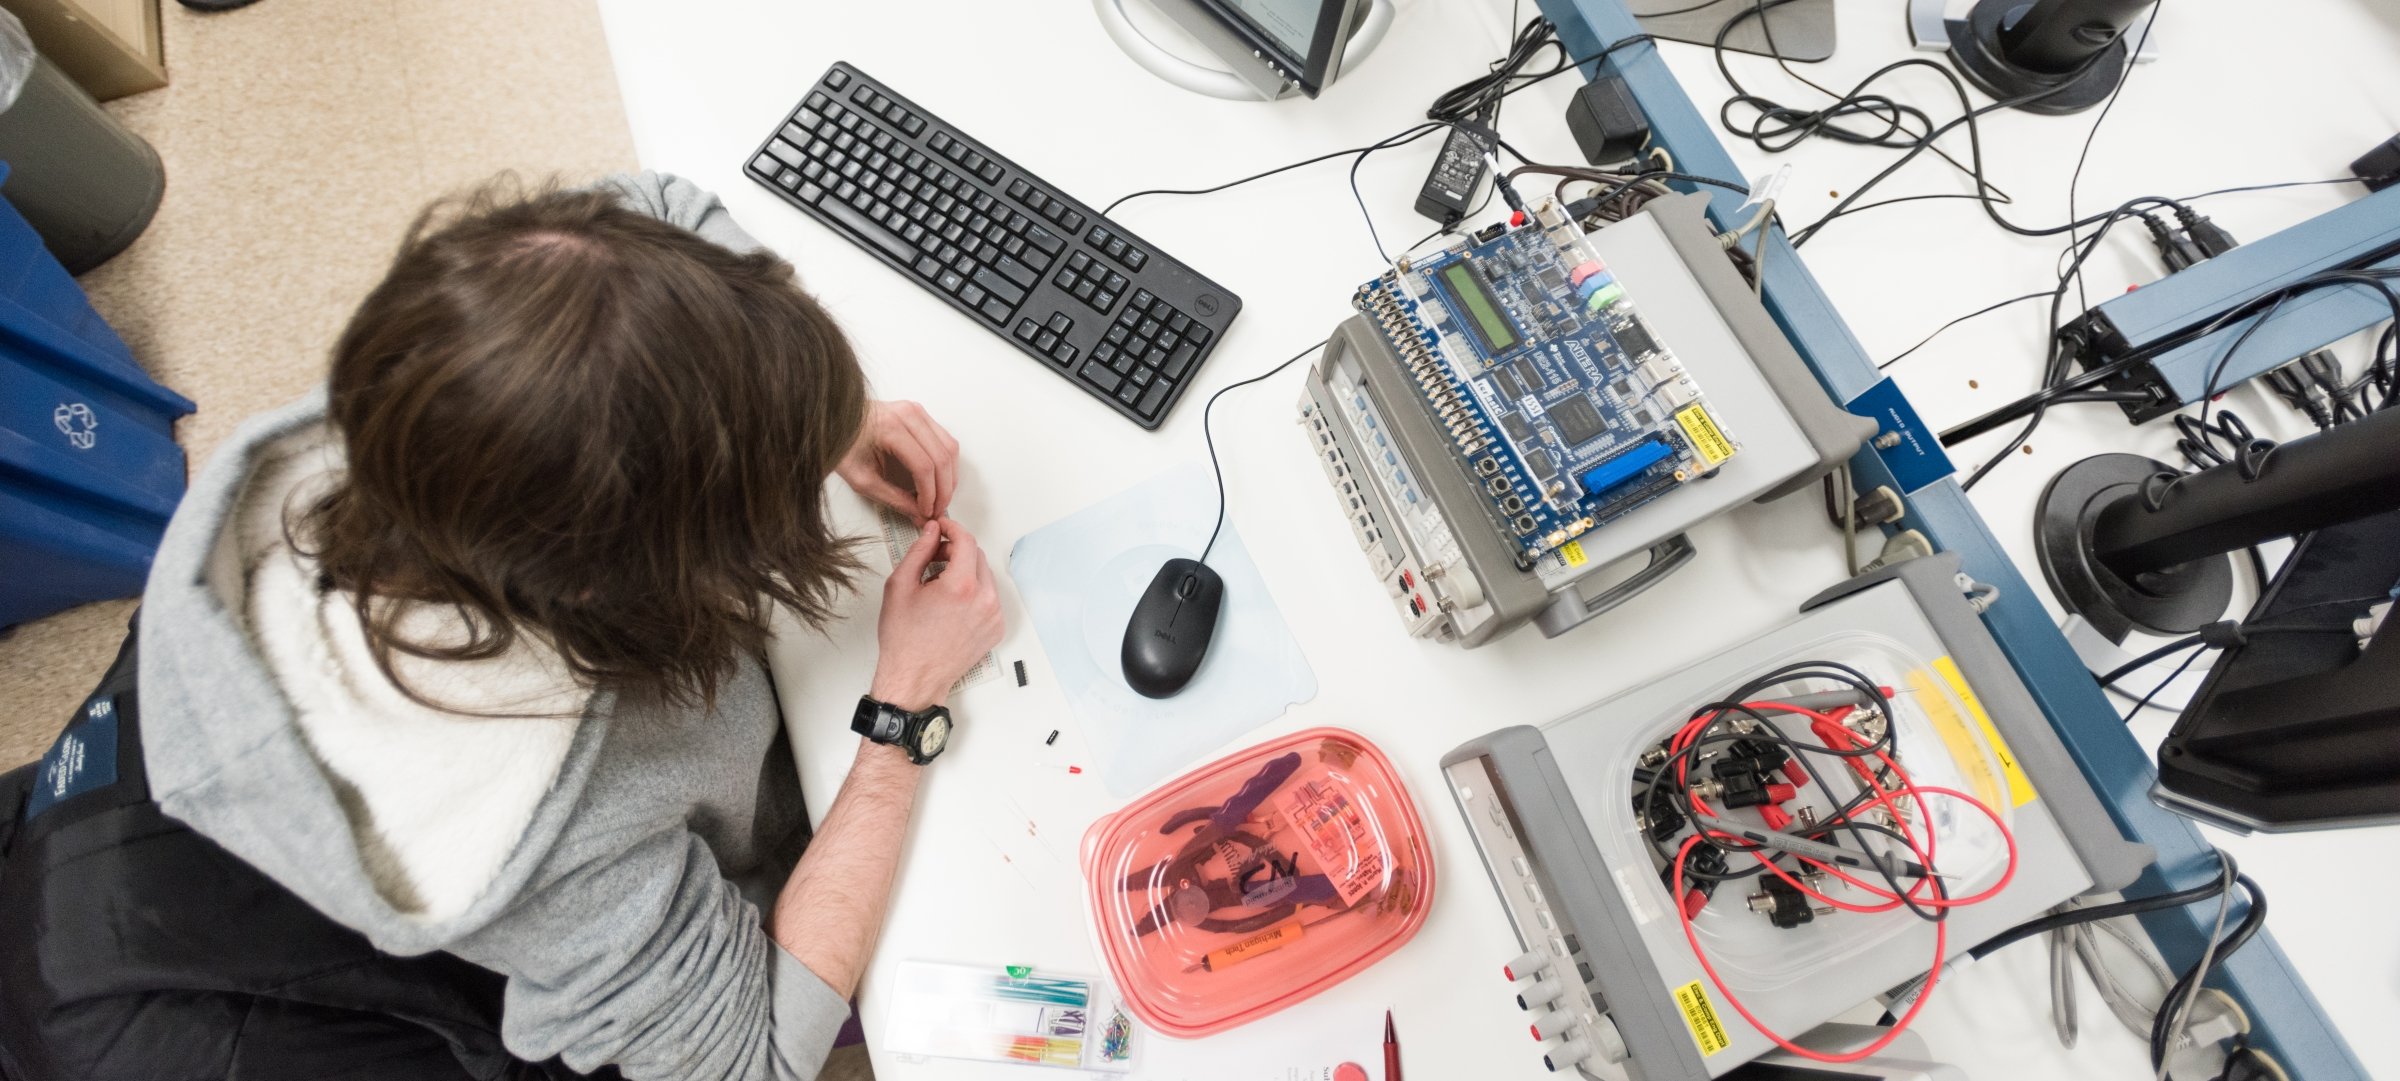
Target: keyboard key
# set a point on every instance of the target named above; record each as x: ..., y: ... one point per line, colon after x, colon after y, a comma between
x: 818, y: 101
x: 789, y: 179
x: 1073, y: 221
x: 972, y: 294
x: 1044, y: 239
x: 1141, y: 300
x: 999, y: 286
x: 1045, y: 341
x: 1179, y: 323
x: 1134, y: 258
x: 1065, y: 354
x: 1078, y: 261
x: 912, y: 123
x: 995, y: 310
x: 869, y: 231
x: 1016, y: 271
x: 1100, y: 377
x: 1103, y: 300
x: 1115, y: 249
x: 940, y: 142
x: 1117, y: 334
x: 1152, y: 399
x: 1179, y: 362
x: 1129, y: 394
x: 1026, y: 329
x: 837, y: 79
x: 1018, y: 190
x: 765, y: 165
x: 786, y: 153
x: 1060, y: 323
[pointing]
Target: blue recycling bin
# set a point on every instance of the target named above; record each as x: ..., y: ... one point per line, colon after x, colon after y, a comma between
x: 89, y: 468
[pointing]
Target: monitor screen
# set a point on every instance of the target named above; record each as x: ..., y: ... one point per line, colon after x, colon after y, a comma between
x: 1292, y: 24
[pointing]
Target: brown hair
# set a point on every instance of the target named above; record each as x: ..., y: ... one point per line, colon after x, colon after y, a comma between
x: 569, y: 420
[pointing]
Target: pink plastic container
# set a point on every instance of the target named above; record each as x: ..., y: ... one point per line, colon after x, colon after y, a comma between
x: 1256, y: 881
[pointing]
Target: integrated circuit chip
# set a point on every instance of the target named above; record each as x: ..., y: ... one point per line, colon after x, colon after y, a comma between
x: 1526, y: 374
x: 1544, y: 470
x: 1635, y: 340
x: 1518, y: 431
x: 1577, y: 421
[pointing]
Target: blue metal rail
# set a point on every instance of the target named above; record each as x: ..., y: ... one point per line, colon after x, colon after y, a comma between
x: 2286, y: 1020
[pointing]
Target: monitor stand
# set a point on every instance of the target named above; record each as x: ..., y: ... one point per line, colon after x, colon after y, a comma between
x: 1803, y: 29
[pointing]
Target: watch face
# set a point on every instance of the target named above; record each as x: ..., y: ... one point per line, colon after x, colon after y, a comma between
x: 935, y: 736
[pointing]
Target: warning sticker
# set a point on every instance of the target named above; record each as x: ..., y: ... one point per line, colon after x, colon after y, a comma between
x: 2020, y: 787
x: 1572, y: 552
x: 1714, y: 448
x: 1700, y: 1016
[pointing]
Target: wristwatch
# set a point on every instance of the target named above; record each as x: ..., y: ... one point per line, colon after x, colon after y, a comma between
x: 922, y: 734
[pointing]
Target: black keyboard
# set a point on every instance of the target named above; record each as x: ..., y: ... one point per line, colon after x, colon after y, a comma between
x: 1094, y: 302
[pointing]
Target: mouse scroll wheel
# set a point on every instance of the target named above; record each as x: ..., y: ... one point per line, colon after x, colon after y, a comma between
x: 1189, y: 586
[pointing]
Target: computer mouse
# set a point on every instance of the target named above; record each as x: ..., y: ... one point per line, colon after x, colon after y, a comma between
x: 1171, y: 628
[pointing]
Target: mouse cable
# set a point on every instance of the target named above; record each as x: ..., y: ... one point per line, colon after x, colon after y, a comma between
x: 1217, y: 467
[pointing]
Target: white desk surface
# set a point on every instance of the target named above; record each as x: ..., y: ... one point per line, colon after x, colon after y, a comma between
x: 991, y: 872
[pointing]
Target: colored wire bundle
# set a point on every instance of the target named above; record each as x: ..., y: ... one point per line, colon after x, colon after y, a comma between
x: 1667, y: 790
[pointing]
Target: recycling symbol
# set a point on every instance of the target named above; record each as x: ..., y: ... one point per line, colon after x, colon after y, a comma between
x: 77, y: 420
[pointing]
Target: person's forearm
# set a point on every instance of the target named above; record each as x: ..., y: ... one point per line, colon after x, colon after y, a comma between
x: 830, y: 911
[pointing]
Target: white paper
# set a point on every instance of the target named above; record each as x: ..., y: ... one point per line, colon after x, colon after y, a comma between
x: 1081, y: 576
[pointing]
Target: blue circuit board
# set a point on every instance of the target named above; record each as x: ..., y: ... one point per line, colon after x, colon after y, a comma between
x: 1566, y: 411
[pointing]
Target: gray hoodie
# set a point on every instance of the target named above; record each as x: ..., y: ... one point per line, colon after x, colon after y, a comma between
x: 613, y: 914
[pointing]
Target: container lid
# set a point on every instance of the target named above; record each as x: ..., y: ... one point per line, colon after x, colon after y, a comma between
x: 1256, y: 881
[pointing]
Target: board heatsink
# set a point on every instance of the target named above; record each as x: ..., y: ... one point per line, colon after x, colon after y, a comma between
x: 1565, y: 410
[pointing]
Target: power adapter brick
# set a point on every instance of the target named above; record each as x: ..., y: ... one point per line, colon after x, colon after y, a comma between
x: 1606, y: 123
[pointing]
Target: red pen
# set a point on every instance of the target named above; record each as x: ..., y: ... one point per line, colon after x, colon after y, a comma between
x: 1391, y: 1050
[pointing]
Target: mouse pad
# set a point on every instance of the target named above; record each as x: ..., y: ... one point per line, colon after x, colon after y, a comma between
x: 1080, y: 577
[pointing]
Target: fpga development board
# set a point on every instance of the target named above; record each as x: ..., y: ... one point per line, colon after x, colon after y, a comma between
x: 1509, y: 416
x: 1540, y: 369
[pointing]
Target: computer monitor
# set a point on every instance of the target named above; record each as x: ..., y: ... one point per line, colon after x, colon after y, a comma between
x: 1270, y: 48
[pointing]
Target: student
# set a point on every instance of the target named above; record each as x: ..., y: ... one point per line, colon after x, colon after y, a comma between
x: 464, y: 652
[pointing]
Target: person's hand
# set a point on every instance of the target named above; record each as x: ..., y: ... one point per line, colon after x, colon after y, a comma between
x: 933, y: 629
x: 903, y: 460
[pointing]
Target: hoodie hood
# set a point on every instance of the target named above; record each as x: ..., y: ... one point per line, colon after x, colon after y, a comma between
x: 268, y: 728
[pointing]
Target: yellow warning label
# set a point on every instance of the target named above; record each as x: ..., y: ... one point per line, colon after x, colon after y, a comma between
x: 1700, y: 1016
x: 2020, y: 787
x: 1714, y: 448
x: 1953, y: 730
x: 1572, y: 552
